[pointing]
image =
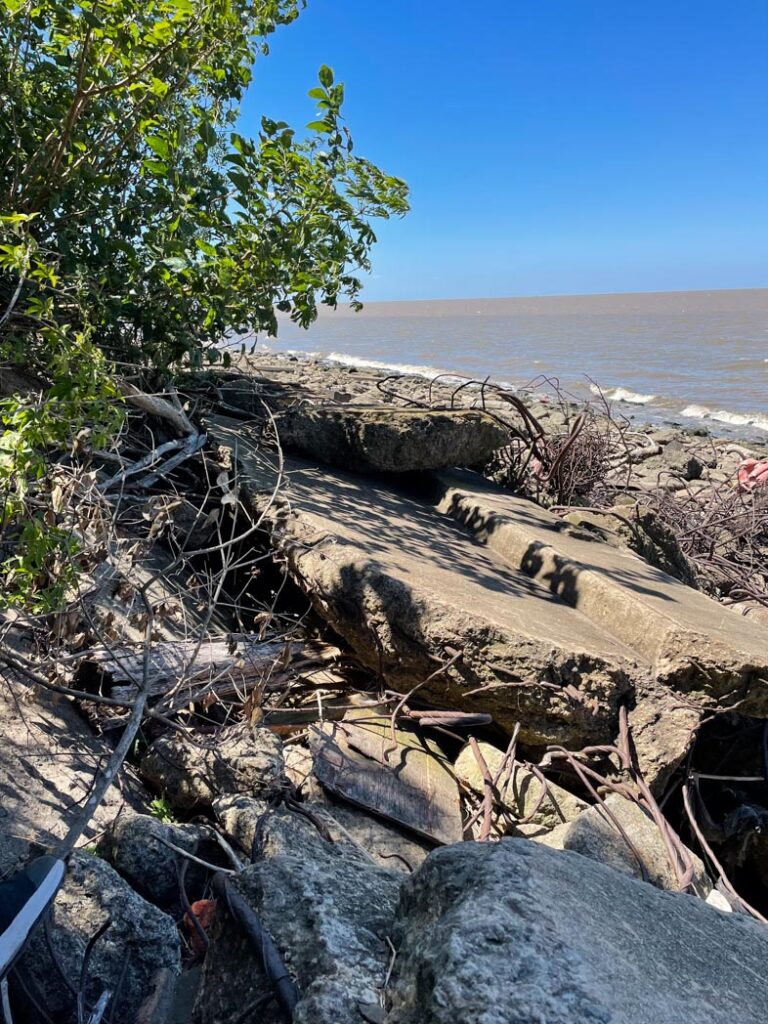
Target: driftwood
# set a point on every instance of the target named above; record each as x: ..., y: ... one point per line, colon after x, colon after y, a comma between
x: 223, y: 665
x: 157, y: 406
x: 184, y: 449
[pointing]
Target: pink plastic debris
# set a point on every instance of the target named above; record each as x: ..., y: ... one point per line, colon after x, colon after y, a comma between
x: 752, y: 474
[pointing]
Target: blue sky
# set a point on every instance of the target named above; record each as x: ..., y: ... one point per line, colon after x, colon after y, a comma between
x: 551, y: 146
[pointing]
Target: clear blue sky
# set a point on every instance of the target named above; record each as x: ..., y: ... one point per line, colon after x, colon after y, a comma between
x: 551, y: 146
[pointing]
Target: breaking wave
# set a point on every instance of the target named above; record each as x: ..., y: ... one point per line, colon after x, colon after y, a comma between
x: 734, y: 419
x: 623, y: 395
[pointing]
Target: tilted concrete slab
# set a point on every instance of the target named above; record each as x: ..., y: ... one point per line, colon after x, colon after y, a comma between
x: 703, y: 657
x: 387, y: 439
x: 696, y: 646
x: 408, y: 588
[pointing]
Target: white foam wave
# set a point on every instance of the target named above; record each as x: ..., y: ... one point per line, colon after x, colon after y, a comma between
x: 623, y: 395
x: 734, y: 419
x: 697, y: 412
x: 413, y: 369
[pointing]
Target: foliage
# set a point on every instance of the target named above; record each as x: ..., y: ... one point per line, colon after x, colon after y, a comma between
x: 161, y: 809
x: 138, y: 226
x: 167, y: 226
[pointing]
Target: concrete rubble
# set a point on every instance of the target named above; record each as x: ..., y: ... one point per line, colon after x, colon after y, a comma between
x: 493, y: 670
x: 390, y: 440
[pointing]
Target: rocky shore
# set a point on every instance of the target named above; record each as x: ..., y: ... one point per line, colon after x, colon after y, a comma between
x: 453, y: 704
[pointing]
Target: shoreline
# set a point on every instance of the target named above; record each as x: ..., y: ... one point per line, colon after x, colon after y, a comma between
x: 624, y: 403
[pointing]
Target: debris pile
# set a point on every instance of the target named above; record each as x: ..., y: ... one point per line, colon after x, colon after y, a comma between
x: 344, y: 726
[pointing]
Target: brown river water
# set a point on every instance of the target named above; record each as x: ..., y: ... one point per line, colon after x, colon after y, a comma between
x: 683, y: 357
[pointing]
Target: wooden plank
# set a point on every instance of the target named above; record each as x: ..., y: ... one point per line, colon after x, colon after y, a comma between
x: 408, y: 784
x: 229, y: 664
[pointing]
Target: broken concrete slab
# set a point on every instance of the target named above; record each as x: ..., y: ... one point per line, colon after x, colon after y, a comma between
x: 407, y: 588
x: 700, y: 658
x: 512, y: 932
x: 402, y: 780
x: 636, y: 528
x: 49, y: 760
x: 692, y: 642
x: 386, y: 439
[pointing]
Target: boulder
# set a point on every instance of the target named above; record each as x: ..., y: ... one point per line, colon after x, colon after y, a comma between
x: 193, y: 771
x: 137, y: 958
x: 594, y: 834
x: 330, y: 913
x: 513, y: 932
x: 521, y: 793
x: 379, y: 439
x: 133, y: 847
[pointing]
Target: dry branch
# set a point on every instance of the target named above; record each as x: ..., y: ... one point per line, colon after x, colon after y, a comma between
x: 156, y: 406
x: 227, y: 664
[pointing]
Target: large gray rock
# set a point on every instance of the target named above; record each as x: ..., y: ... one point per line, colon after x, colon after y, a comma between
x: 193, y: 771
x: 49, y: 760
x: 512, y: 933
x: 137, y: 958
x: 594, y: 834
x: 329, y: 911
x: 135, y: 848
x: 392, y: 440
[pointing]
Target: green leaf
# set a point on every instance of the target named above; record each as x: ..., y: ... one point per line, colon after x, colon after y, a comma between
x: 159, y: 146
x: 207, y: 133
x: 176, y: 263
x: 156, y: 167
x: 326, y: 76
x: 242, y: 181
x: 318, y: 126
x: 17, y: 218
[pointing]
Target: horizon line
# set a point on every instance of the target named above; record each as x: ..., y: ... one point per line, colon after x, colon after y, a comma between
x: 566, y: 295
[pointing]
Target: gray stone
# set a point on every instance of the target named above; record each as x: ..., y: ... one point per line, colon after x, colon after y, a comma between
x: 49, y: 760
x: 134, y: 849
x: 192, y: 772
x: 329, y: 912
x: 514, y: 933
x: 521, y: 792
x: 141, y: 946
x: 594, y: 835
x: 391, y: 440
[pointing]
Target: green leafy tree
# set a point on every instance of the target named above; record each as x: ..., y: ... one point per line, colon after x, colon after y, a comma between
x: 137, y: 224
